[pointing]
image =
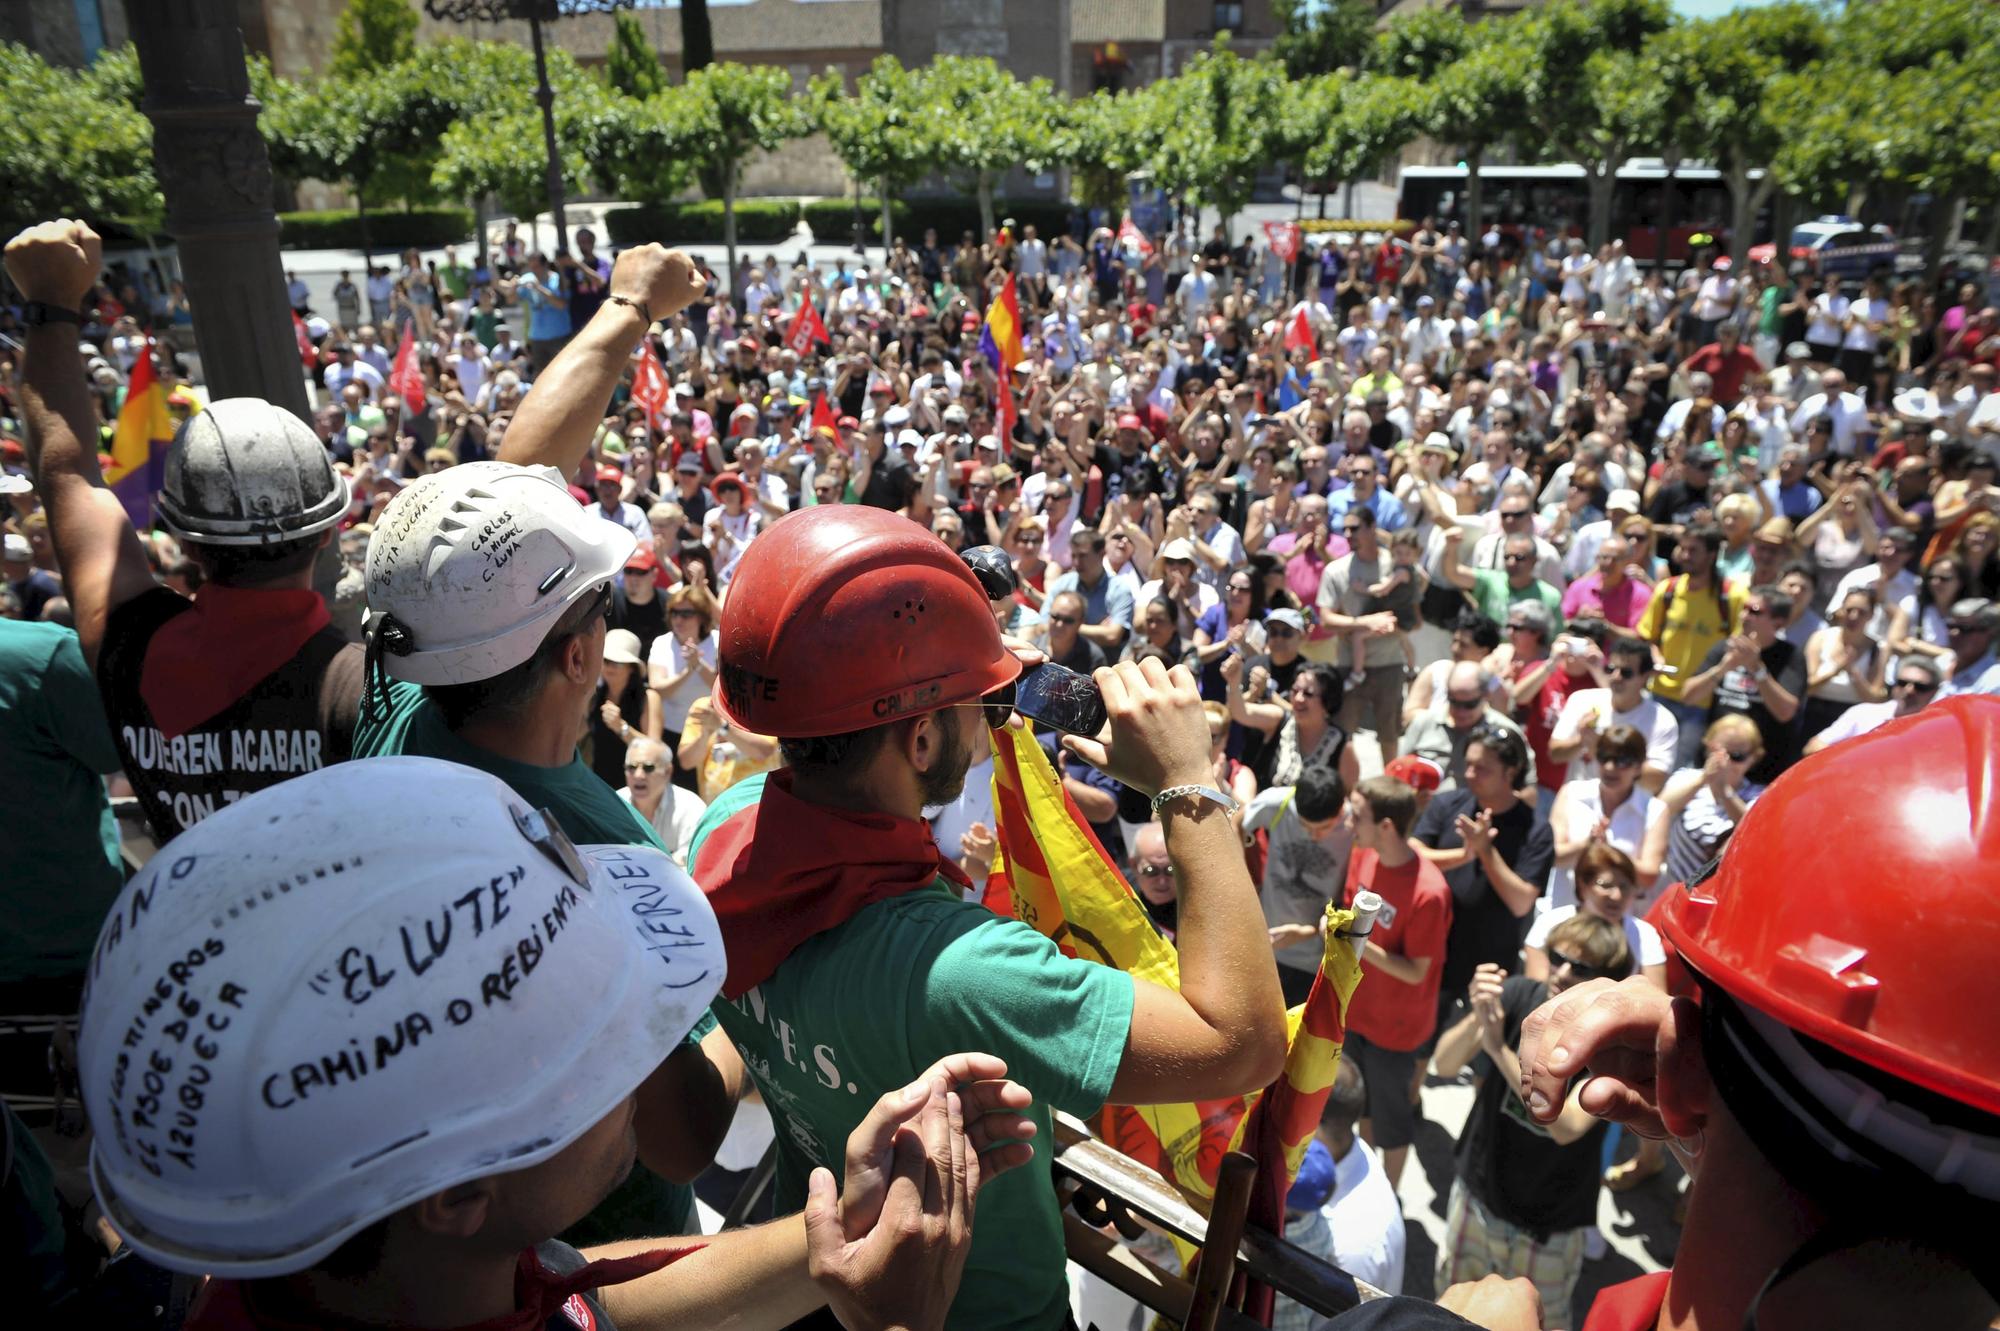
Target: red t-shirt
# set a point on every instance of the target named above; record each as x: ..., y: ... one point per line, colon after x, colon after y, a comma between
x: 1540, y: 723
x: 1631, y: 1306
x: 1415, y: 918
x: 1728, y: 371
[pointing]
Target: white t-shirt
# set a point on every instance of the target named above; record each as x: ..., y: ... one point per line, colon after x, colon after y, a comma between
x: 1572, y: 266
x: 1627, y: 833
x: 676, y: 818
x: 1205, y: 599
x: 1369, y: 1240
x: 1859, y: 720
x: 1655, y: 722
x: 1032, y: 257
x: 1865, y: 311
x: 1641, y: 937
x: 668, y: 654
x: 1823, y: 324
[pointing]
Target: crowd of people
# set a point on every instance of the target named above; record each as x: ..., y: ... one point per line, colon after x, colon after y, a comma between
x: 1498, y: 579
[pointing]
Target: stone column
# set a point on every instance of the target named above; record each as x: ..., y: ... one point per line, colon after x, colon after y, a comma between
x: 216, y: 177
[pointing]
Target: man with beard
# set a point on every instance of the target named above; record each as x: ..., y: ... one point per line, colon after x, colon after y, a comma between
x: 852, y: 949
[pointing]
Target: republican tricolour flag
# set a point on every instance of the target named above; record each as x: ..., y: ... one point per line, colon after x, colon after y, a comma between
x: 1051, y: 873
x: 139, y: 443
x: 1000, y: 342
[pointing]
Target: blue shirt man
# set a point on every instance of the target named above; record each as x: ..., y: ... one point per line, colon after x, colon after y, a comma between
x: 1107, y: 601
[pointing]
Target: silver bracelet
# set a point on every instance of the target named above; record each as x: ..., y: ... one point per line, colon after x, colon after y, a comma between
x: 1229, y: 803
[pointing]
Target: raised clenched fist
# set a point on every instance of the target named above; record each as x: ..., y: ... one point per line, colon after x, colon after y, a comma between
x: 665, y: 281
x: 56, y: 262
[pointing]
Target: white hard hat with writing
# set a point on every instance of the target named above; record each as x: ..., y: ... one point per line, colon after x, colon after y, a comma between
x: 355, y: 989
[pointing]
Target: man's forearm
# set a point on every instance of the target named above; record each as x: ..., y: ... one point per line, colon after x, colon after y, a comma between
x: 559, y: 418
x: 1228, y: 975
x: 1108, y: 634
x: 55, y: 407
x: 752, y: 1279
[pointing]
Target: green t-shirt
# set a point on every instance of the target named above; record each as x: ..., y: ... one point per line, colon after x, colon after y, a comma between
x: 1493, y: 594
x: 644, y: 1205
x: 1769, y: 321
x: 864, y: 1007
x: 456, y: 279
x: 60, y: 869
x: 589, y: 811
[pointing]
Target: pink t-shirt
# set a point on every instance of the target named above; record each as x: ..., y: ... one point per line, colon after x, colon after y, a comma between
x: 1622, y: 605
x: 1302, y: 570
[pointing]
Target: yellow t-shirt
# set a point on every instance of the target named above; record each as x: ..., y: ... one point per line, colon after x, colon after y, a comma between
x: 1684, y: 625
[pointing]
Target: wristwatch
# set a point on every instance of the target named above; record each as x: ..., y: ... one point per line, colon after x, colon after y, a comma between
x: 36, y: 314
x: 1229, y: 802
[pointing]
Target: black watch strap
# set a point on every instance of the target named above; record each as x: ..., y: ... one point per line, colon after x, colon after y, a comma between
x: 37, y: 313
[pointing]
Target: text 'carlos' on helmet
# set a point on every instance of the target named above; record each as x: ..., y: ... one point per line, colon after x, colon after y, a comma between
x: 365, y: 985
x: 247, y: 472
x: 844, y: 617
x: 470, y: 568
x: 1858, y: 903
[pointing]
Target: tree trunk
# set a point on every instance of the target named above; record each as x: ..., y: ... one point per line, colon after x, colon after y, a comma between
x: 985, y: 187
x: 1670, y: 204
x: 1989, y: 240
x: 361, y: 220
x: 1947, y: 212
x: 1474, y: 225
x: 1857, y: 199
x: 729, y: 221
x: 1745, y: 202
x: 1603, y: 176
x: 888, y: 221
x: 697, y: 36
x: 478, y: 229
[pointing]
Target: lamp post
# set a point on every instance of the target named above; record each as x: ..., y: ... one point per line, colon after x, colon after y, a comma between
x: 216, y: 176
x: 536, y: 13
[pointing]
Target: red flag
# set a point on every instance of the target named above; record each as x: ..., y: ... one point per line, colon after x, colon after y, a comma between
x: 650, y: 388
x: 308, y: 355
x: 1128, y: 232
x: 806, y: 330
x: 405, y: 379
x: 823, y: 417
x: 1283, y: 238
x: 1300, y: 332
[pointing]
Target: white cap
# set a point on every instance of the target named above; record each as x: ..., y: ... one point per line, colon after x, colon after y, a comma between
x: 16, y: 548
x: 14, y: 483
x: 621, y: 645
x: 475, y: 564
x: 909, y: 439
x: 988, y: 441
x: 1625, y: 499
x: 1178, y: 548
x: 317, y: 1006
x: 895, y: 418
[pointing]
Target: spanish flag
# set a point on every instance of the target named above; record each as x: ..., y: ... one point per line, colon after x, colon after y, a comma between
x: 1000, y: 339
x: 139, y: 442
x: 1052, y: 873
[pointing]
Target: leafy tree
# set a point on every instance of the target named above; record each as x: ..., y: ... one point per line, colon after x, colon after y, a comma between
x: 1716, y: 77
x: 73, y: 143
x: 1478, y: 103
x: 1345, y: 124
x: 1424, y: 44
x: 1103, y: 138
x: 632, y: 66
x: 372, y: 35
x: 718, y: 119
x: 881, y: 131
x: 1321, y: 36
x: 1589, y: 93
x: 1219, y: 119
x: 988, y: 122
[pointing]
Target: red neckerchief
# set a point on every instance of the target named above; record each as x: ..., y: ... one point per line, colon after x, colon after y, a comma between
x: 202, y: 661
x: 817, y: 869
x: 225, y: 1305
x: 1631, y: 1306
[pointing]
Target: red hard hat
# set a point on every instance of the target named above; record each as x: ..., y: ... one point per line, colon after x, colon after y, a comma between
x: 1858, y: 902
x: 842, y: 617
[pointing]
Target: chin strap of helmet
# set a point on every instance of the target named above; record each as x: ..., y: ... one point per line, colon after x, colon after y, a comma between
x: 386, y: 633
x: 1866, y: 1191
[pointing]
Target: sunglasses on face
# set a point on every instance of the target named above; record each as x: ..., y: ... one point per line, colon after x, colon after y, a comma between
x: 1276, y: 631
x: 682, y: 612
x: 1516, y: 559
x: 1916, y: 685
x: 1738, y: 755
x: 648, y: 768
x: 1965, y: 628
x: 1507, y: 515
x: 1463, y: 704
x: 1156, y: 870
x: 1349, y: 528
x: 1064, y: 620
x: 1559, y: 959
x: 1621, y: 761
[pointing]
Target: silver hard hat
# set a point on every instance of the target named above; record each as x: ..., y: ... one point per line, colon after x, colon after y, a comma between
x: 246, y: 472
